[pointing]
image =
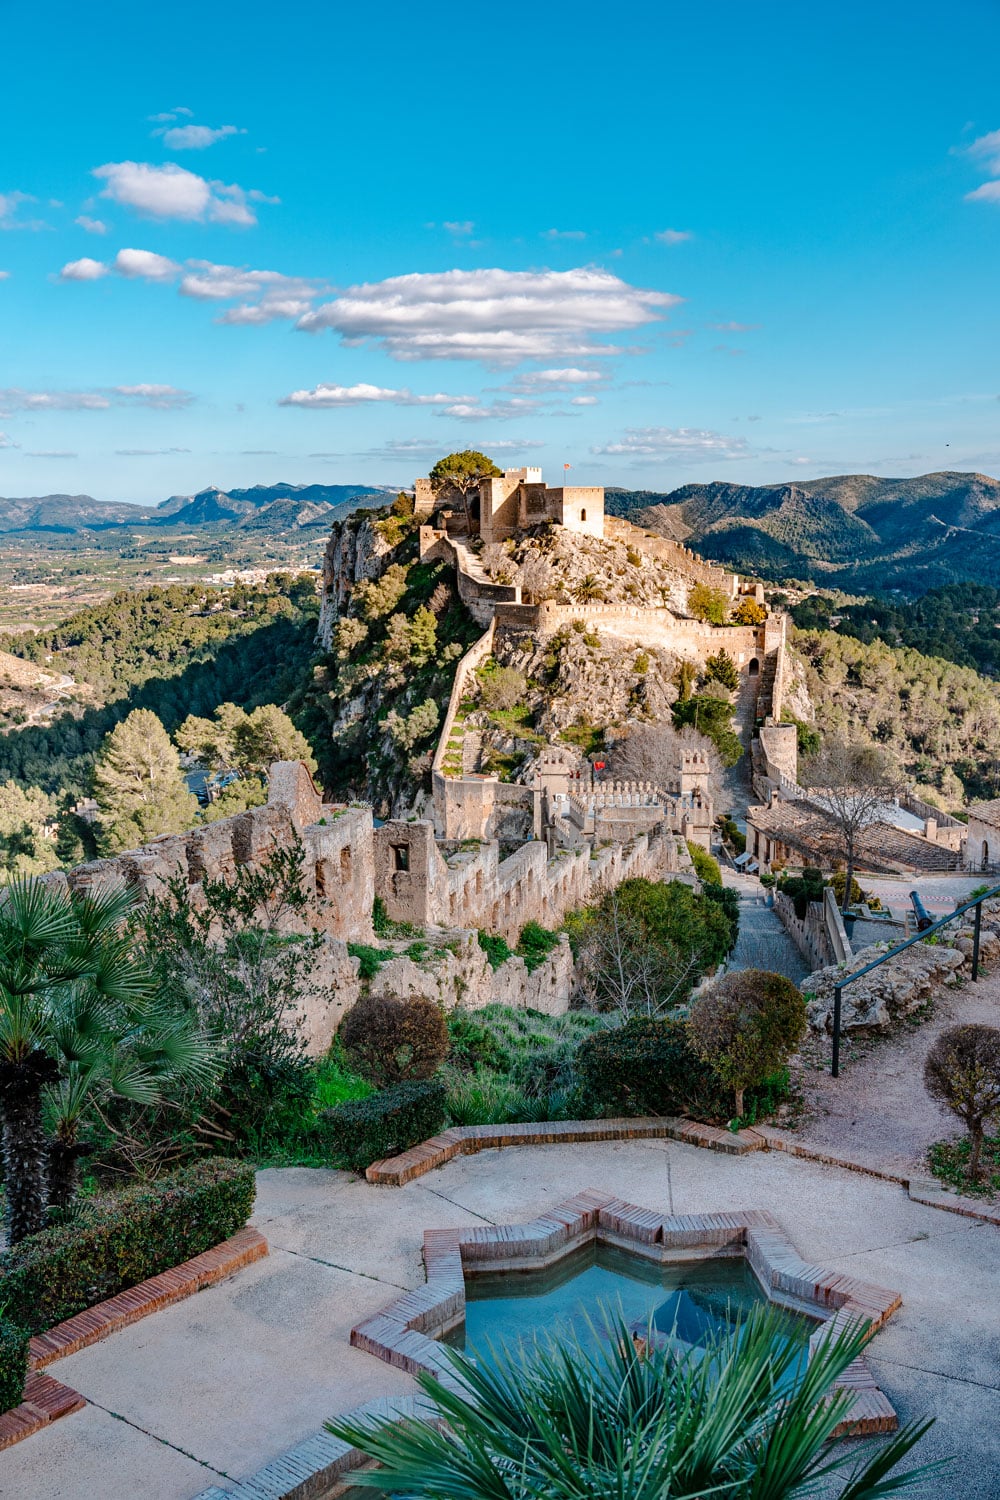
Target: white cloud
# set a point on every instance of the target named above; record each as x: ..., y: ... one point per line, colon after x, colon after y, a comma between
x: 673, y: 236
x: 92, y: 226
x: 499, y: 317
x: 4, y: 275
x: 583, y: 401
x: 558, y: 380
x: 691, y: 443
x: 52, y: 453
x: 10, y: 203
x: 986, y: 149
x: 6, y: 441
x: 161, y: 397
x: 145, y: 265
x: 170, y: 114
x: 172, y: 192
x: 507, y: 410
x: 83, y: 270
x: 322, y: 397
x: 564, y: 234
x: 148, y: 452
x: 196, y: 137
x: 458, y: 226
x: 734, y: 327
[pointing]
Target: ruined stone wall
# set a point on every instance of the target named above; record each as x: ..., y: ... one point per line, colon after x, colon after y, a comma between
x: 472, y: 887
x: 673, y: 553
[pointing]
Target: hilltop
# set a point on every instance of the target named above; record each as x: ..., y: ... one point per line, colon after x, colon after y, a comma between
x: 855, y: 531
x: 285, y: 505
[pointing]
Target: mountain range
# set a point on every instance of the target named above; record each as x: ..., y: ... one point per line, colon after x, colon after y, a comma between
x: 854, y: 531
x: 264, y: 507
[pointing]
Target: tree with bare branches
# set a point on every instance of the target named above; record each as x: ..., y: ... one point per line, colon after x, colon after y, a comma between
x: 853, y: 783
x: 625, y: 971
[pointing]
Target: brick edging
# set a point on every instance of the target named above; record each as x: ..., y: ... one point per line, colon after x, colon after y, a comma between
x: 148, y: 1297
x: 45, y: 1401
x: 468, y: 1140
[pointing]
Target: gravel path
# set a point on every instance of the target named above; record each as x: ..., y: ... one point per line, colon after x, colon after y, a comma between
x: 878, y: 1109
x: 763, y: 942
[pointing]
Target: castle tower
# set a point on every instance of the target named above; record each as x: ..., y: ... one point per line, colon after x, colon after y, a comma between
x: 694, y: 773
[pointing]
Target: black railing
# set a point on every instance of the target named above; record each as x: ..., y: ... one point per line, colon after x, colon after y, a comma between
x: 920, y: 937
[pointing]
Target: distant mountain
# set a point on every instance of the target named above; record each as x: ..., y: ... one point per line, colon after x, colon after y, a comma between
x: 855, y: 530
x: 265, y: 507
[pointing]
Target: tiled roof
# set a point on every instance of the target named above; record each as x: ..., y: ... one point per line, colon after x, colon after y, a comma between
x: 986, y: 812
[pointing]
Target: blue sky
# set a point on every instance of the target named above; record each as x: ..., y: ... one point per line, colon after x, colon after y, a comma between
x: 661, y: 243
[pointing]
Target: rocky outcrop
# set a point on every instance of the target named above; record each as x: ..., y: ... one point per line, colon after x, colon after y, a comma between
x: 355, y: 551
x: 886, y: 995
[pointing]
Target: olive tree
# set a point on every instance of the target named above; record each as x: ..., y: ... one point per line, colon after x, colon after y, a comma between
x: 962, y: 1072
x: 746, y: 1026
x: 461, y: 474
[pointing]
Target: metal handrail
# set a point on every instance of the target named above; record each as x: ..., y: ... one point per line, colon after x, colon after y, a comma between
x: 838, y: 989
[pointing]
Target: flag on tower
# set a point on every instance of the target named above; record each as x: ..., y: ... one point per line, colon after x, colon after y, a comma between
x: 567, y: 466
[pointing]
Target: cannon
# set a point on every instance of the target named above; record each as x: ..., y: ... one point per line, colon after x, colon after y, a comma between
x: 924, y: 919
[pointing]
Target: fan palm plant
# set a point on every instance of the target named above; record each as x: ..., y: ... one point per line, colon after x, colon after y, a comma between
x: 746, y: 1418
x: 78, y: 1012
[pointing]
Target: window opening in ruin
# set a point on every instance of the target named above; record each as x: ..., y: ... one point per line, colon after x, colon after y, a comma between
x: 986, y: 855
x: 754, y: 667
x: 583, y: 515
x: 401, y: 856
x: 345, y: 865
x: 320, y: 879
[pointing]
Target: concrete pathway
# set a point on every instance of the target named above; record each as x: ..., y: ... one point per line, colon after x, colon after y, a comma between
x: 763, y: 942
x: 209, y: 1390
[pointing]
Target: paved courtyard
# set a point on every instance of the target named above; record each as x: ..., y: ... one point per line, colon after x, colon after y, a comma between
x: 208, y: 1390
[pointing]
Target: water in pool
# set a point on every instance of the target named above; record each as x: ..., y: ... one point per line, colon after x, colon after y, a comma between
x: 695, y: 1301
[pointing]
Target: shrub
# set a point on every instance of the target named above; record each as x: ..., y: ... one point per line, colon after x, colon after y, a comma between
x: 746, y: 1026
x: 672, y: 913
x: 392, y: 1039
x: 749, y: 612
x: 500, y: 687
x: 496, y: 948
x: 646, y: 1067
x: 838, y: 881
x: 804, y: 888
x: 708, y: 603
x: 13, y: 1363
x: 535, y: 944
x: 370, y: 959
x: 473, y: 1045
x: 705, y: 867
x: 728, y: 899
x: 361, y: 1131
x: 115, y: 1244
x: 732, y: 834
x: 962, y: 1072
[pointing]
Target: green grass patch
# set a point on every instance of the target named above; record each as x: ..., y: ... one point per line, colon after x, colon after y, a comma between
x: 949, y: 1162
x: 370, y: 959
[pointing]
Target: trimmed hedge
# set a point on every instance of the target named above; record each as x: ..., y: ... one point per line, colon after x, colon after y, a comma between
x: 116, y: 1244
x: 361, y: 1131
x: 13, y: 1363
x: 648, y: 1068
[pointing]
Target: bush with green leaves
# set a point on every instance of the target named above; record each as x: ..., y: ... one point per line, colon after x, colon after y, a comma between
x: 803, y: 889
x: 496, y: 948
x: 116, y: 1243
x: 391, y: 1038
x: 14, y: 1341
x: 705, y: 867
x: 535, y: 944
x: 745, y: 1027
x: 500, y: 687
x: 234, y: 961
x: 708, y: 603
x: 392, y: 1120
x: 647, y: 1067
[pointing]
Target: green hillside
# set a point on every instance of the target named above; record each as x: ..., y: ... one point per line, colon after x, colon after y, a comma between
x: 854, y: 531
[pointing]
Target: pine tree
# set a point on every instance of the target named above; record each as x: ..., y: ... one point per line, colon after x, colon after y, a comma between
x: 139, y: 786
